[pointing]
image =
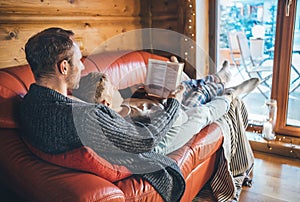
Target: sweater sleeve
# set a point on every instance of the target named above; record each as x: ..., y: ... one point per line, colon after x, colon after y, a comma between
x: 104, y: 129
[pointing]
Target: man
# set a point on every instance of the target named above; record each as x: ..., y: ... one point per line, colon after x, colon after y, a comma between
x: 55, y: 123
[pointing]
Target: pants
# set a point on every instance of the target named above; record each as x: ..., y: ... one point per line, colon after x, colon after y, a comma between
x: 201, y: 91
x: 201, y: 105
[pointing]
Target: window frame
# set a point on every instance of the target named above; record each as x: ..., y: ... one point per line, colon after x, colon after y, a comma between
x: 282, y: 58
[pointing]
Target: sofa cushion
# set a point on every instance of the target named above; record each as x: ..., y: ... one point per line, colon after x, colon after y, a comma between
x: 32, y: 179
x: 84, y: 159
x: 8, y: 108
x: 125, y: 68
x: 14, y: 84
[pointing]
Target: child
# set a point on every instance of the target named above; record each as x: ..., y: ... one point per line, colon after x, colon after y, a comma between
x: 203, y: 102
x: 96, y: 88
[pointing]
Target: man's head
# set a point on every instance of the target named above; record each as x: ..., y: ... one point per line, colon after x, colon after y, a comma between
x: 51, y: 53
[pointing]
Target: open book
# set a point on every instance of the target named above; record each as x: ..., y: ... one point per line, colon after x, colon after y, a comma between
x: 162, y: 77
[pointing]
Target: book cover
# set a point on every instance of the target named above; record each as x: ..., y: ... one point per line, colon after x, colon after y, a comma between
x: 162, y: 77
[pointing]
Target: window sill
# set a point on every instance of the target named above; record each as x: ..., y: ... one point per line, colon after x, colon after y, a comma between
x: 282, y: 145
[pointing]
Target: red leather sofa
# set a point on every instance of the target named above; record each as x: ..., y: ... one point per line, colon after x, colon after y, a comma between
x: 28, y: 178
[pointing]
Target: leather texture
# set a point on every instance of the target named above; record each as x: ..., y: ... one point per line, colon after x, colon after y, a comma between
x: 37, y: 180
x: 84, y: 159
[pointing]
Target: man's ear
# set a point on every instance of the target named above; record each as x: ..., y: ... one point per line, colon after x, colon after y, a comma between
x: 63, y: 67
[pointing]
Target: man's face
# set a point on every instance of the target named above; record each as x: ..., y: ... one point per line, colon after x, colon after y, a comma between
x: 76, y: 68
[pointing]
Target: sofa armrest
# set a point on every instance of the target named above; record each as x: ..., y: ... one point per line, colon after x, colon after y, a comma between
x: 37, y: 180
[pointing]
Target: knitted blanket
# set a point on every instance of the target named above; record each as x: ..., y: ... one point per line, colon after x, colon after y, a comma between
x: 236, y: 159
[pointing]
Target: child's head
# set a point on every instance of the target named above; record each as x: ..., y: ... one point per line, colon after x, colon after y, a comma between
x: 95, y: 88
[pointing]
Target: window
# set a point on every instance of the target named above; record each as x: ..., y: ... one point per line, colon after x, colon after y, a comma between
x: 288, y: 80
x: 272, y: 31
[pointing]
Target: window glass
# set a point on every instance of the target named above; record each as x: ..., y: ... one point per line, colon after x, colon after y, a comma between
x: 247, y: 39
x: 293, y: 115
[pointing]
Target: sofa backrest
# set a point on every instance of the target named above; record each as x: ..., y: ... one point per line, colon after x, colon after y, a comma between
x: 129, y: 67
x: 124, y: 68
x: 14, y: 84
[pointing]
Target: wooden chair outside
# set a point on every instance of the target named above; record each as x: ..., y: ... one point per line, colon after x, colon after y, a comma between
x: 262, y: 68
x: 234, y: 49
x: 252, y: 68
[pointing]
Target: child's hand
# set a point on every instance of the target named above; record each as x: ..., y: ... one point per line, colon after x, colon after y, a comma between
x: 174, y: 59
x: 178, y: 93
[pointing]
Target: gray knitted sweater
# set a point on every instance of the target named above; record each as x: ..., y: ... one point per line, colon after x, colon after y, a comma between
x: 55, y: 124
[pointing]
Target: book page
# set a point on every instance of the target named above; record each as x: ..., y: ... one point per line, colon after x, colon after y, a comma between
x: 156, y: 73
x: 162, y: 77
x: 171, y: 76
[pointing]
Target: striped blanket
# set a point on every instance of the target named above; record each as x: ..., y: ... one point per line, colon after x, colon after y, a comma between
x: 236, y: 160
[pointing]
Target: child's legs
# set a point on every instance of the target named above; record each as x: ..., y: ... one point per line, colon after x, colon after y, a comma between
x: 210, y: 78
x: 198, y: 118
x: 201, y: 91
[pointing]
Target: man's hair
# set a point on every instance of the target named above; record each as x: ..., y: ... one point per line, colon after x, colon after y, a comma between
x: 91, y: 87
x: 46, y: 49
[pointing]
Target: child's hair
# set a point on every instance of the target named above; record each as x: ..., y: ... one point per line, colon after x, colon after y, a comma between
x: 91, y: 87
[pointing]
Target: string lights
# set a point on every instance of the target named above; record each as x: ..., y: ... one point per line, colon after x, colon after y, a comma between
x: 189, y: 28
x: 287, y: 142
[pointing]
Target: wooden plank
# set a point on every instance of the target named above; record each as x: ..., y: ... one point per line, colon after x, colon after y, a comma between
x: 70, y: 7
x: 99, y: 25
x: 274, y: 179
x: 16, y: 19
x: 165, y: 24
x: 283, y: 145
x: 95, y: 36
x: 165, y: 7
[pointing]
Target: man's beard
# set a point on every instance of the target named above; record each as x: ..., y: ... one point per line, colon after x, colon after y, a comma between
x: 76, y: 84
x: 73, y: 80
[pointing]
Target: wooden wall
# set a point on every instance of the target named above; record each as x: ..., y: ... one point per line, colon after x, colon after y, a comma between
x: 98, y: 25
x: 93, y: 21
